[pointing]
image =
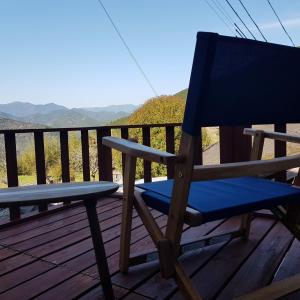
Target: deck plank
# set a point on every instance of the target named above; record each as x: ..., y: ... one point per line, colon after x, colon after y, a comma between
x: 209, y: 279
x: 97, y: 294
x: 265, y: 258
x: 41, y: 283
x: 46, y: 237
x: 157, y: 287
x: 23, y: 274
x: 51, y: 257
x: 40, y: 221
x: 134, y: 278
x: 106, y: 212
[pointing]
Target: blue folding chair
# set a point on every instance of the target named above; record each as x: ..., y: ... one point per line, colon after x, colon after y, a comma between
x: 234, y: 82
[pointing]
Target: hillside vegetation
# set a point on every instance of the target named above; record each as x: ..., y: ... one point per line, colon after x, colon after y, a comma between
x: 159, y: 110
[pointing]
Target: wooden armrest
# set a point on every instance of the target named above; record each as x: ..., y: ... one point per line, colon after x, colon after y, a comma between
x: 138, y: 150
x: 279, y: 136
x: 249, y: 168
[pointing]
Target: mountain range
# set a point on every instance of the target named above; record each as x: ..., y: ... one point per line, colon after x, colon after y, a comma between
x: 27, y: 115
x: 53, y: 115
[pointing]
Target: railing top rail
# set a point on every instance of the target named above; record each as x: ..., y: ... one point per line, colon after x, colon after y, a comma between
x: 55, y: 129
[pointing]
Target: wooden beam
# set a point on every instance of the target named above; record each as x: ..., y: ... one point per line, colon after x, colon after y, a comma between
x: 280, y: 150
x: 40, y: 163
x: 250, y: 168
x: 12, y: 169
x: 85, y: 155
x: 127, y: 207
x: 146, y: 163
x: 64, y: 158
x: 170, y: 148
x: 104, y: 155
x: 279, y: 136
x: 125, y: 136
x: 138, y: 150
x: 275, y: 290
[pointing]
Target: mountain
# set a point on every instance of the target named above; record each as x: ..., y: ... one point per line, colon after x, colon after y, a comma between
x: 54, y: 115
x: 127, y: 108
x: 182, y: 94
x: 5, y: 116
x: 24, y: 109
x: 63, y: 118
x: 7, y: 123
x: 162, y: 109
x: 102, y: 116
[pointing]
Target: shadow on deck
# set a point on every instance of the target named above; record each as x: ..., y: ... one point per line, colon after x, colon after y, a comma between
x: 51, y: 257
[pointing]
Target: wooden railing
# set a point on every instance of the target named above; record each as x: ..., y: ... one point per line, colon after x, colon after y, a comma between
x: 234, y: 146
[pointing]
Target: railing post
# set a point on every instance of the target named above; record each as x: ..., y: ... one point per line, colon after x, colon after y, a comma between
x: 104, y: 156
x: 85, y: 154
x: 64, y: 157
x: 40, y: 162
x: 280, y: 150
x: 124, y: 135
x: 147, y: 164
x: 12, y: 169
x: 199, y: 154
x: 170, y: 147
x: 234, y: 145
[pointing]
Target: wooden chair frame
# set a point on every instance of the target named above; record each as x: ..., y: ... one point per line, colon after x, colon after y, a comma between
x: 168, y: 244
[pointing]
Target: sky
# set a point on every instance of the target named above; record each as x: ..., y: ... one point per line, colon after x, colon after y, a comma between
x: 67, y: 52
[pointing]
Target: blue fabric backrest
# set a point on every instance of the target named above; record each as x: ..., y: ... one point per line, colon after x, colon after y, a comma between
x: 236, y: 82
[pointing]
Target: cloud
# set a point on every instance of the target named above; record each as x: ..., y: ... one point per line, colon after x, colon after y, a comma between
x: 289, y: 23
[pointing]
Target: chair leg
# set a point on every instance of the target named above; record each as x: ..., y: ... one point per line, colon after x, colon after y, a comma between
x: 99, y: 249
x: 125, y: 236
x: 127, y: 208
x: 185, y: 284
x: 245, y: 226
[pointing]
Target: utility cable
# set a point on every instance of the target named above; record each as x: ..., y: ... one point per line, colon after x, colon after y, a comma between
x: 246, y: 10
x: 224, y: 11
x: 240, y: 18
x: 128, y: 49
x: 238, y: 29
x: 219, y: 16
x: 281, y: 23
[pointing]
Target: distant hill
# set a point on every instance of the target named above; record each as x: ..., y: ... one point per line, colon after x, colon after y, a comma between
x: 127, y: 108
x: 54, y: 115
x: 63, y: 118
x: 182, y: 94
x: 5, y: 115
x: 23, y: 140
x: 162, y: 109
x: 102, y: 116
x: 24, y: 109
x: 6, y: 123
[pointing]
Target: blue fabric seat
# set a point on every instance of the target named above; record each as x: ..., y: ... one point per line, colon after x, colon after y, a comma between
x: 217, y: 199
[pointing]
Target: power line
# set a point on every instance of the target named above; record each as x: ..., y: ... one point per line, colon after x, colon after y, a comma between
x: 219, y: 16
x: 239, y: 33
x: 128, y: 49
x: 238, y: 29
x: 225, y: 13
x: 228, y: 17
x: 246, y: 10
x: 240, y: 18
x: 281, y: 23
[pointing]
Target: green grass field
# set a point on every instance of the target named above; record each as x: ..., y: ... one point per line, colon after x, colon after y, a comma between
x: 31, y: 179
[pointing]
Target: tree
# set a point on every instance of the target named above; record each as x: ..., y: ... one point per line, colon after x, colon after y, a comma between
x: 159, y: 110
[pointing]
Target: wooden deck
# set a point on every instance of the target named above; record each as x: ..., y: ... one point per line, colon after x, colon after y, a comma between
x: 51, y: 257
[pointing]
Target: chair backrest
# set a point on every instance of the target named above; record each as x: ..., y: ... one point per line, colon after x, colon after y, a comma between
x: 236, y: 82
